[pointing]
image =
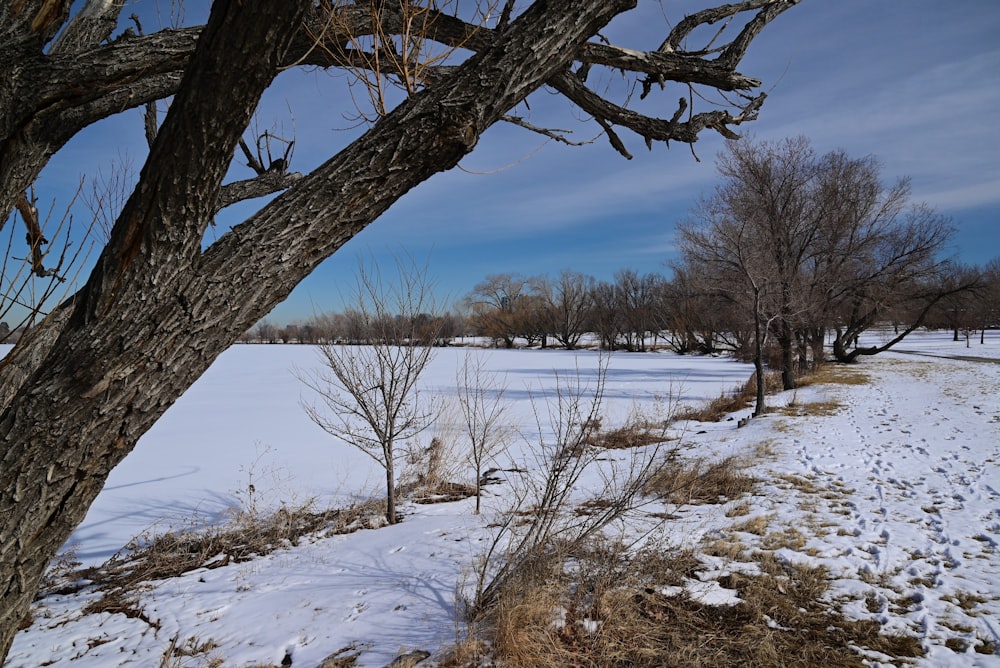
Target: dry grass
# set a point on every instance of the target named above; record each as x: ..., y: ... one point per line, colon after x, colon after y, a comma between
x: 718, y: 408
x: 743, y: 397
x: 789, y: 537
x: 756, y: 526
x: 600, y: 614
x: 345, y: 657
x: 632, y: 435
x: 443, y: 492
x: 805, y: 485
x: 149, y: 558
x: 732, y: 401
x: 834, y: 374
x: 180, y: 654
x: 813, y: 408
x: 741, y: 509
x: 686, y: 482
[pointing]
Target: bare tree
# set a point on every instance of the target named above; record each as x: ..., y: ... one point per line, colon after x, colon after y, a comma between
x: 567, y: 303
x: 724, y: 248
x: 988, y: 299
x: 481, y: 402
x: 767, y: 193
x: 900, y: 275
x: 696, y: 318
x: 543, y: 525
x: 496, y: 304
x: 368, y: 392
x: 162, y: 301
x: 817, y: 243
x: 606, y: 316
x: 640, y: 307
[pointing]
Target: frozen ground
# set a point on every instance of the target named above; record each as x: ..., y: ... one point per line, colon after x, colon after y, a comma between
x: 895, y: 489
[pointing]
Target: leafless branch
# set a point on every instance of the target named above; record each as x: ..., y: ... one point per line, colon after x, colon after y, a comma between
x: 551, y: 133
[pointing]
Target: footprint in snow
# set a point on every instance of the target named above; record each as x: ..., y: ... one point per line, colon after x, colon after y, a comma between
x: 356, y: 611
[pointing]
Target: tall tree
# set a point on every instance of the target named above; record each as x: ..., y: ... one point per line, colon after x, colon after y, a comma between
x: 162, y: 302
x: 728, y: 250
x: 566, y: 303
x: 496, y: 304
x: 819, y: 242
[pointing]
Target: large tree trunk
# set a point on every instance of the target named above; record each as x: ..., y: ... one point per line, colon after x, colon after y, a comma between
x: 157, y: 311
x: 97, y: 384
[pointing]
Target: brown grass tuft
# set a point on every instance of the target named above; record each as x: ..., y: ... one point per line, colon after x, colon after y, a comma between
x: 600, y: 615
x: 632, y: 435
x: 732, y: 401
x: 685, y: 482
x: 834, y: 374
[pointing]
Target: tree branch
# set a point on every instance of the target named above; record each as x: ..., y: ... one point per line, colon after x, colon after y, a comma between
x: 551, y: 133
x: 239, y: 51
x: 266, y: 183
x: 667, y: 66
x: 91, y: 26
x: 654, y: 129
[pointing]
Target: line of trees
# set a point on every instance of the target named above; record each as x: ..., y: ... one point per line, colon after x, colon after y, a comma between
x: 686, y: 312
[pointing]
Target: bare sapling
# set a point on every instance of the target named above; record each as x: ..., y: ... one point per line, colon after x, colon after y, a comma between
x: 368, y: 394
x: 481, y: 401
x: 544, y: 528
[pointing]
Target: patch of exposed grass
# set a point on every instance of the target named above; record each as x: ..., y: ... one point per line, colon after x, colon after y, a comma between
x: 803, y: 484
x: 766, y: 449
x: 986, y: 647
x: 632, y: 435
x: 180, y: 653
x: 834, y: 374
x: 741, y: 509
x: 727, y: 547
x: 812, y: 408
x: 443, y: 492
x: 965, y: 600
x: 756, y: 526
x: 716, y: 409
x: 731, y: 401
x: 345, y: 657
x: 789, y: 537
x: 694, y: 481
x: 596, y: 615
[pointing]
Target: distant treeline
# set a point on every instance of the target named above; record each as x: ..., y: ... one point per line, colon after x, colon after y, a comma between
x: 634, y: 312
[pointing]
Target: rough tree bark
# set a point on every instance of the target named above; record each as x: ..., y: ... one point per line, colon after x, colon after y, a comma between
x: 157, y: 309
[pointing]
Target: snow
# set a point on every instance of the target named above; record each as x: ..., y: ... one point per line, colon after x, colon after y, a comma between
x: 897, y: 493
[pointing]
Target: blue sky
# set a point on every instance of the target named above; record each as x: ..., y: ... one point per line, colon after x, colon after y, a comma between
x: 914, y: 82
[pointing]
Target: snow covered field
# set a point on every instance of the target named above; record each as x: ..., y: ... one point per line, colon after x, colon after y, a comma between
x: 895, y: 489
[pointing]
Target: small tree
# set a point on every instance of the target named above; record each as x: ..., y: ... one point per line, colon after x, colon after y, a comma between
x: 368, y: 393
x: 480, y: 398
x: 543, y: 526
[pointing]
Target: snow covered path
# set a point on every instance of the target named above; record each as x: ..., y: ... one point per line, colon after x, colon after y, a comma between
x: 899, y: 492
